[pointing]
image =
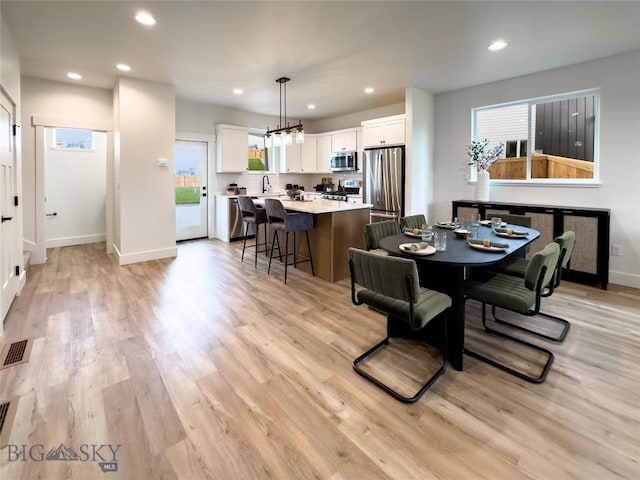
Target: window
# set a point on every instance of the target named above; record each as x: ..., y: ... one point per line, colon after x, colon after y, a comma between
x: 258, y: 153
x: 546, y: 139
x: 72, y: 139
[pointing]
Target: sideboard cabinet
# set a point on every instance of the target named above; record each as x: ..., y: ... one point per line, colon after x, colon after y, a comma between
x: 590, y: 258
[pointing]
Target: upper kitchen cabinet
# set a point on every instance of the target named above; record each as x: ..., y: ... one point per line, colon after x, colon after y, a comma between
x: 344, y: 141
x: 384, y: 131
x: 232, y: 148
x: 300, y: 158
x: 323, y: 153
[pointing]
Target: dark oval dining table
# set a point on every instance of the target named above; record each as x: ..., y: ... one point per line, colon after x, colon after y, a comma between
x: 445, y: 271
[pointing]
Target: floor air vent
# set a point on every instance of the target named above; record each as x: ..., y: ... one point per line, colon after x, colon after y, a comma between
x: 7, y: 416
x: 16, y: 353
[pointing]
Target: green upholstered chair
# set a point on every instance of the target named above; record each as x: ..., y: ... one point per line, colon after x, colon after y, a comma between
x: 412, y: 221
x: 521, y: 220
x: 518, y: 267
x: 391, y: 285
x: 374, y: 232
x: 520, y: 295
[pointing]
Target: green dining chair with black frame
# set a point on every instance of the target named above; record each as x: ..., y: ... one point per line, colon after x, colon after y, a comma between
x: 412, y: 221
x: 376, y: 231
x: 520, y: 295
x: 517, y: 267
x: 391, y: 285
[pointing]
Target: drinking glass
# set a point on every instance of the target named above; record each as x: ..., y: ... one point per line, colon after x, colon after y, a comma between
x: 496, y: 222
x: 458, y: 222
x: 475, y: 219
x: 440, y: 240
x: 473, y: 232
x: 427, y: 233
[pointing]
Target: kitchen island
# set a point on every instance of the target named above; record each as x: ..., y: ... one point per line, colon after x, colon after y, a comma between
x: 336, y: 227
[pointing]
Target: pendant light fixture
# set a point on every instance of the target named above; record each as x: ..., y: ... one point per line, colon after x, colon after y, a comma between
x: 283, y: 134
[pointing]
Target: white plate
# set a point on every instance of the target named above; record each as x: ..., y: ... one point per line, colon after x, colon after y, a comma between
x: 513, y: 235
x: 487, y: 223
x: 450, y: 226
x: 487, y: 249
x: 411, y: 234
x: 428, y: 250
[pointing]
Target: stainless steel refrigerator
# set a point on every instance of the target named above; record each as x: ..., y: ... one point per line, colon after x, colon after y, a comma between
x: 383, y: 182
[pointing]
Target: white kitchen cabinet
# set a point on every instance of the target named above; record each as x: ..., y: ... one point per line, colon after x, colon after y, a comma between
x: 232, y: 147
x: 384, y: 131
x: 300, y: 157
x: 323, y: 154
x: 344, y: 142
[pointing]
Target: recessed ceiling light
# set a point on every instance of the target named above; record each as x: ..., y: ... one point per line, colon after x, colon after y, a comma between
x: 238, y: 91
x: 74, y: 76
x: 497, y: 45
x: 145, y: 18
x: 369, y: 90
x: 123, y: 67
x: 311, y: 106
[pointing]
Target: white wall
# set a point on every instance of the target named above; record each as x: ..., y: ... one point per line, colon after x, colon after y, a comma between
x: 145, y: 125
x: 353, y: 120
x: 618, y: 78
x: 419, y: 151
x: 76, y: 189
x: 55, y: 99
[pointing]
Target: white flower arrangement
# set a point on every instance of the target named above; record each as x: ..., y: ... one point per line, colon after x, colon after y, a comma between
x: 479, y: 158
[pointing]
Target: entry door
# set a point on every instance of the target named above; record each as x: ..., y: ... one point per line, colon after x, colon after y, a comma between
x: 191, y: 189
x: 9, y: 235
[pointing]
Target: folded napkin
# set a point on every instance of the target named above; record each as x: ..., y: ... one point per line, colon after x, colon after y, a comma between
x: 413, y: 247
x: 514, y: 232
x: 410, y: 230
x: 477, y: 241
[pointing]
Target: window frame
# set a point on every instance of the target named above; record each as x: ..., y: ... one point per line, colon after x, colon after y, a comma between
x: 577, y: 182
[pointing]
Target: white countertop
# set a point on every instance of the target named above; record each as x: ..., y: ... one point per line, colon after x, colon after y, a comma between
x: 318, y: 205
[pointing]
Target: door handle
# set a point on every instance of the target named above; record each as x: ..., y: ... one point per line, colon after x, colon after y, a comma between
x: 204, y: 194
x: 54, y: 214
x: 5, y: 219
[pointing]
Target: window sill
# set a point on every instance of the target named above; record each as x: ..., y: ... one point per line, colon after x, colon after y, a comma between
x: 543, y: 183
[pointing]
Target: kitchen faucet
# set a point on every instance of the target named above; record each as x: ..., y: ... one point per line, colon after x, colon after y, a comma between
x: 264, y: 189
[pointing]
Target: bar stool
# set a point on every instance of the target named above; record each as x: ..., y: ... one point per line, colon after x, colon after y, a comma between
x: 283, y: 221
x: 252, y: 215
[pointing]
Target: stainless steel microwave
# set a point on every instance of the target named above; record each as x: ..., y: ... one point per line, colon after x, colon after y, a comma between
x: 344, y: 162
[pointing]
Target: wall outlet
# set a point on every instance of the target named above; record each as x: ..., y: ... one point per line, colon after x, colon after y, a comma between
x: 616, y: 250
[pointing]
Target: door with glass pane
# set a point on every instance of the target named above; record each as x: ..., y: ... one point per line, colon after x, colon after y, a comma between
x: 191, y: 189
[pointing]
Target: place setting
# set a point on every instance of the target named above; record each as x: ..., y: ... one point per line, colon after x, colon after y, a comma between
x: 486, y: 245
x: 421, y: 248
x: 511, y: 233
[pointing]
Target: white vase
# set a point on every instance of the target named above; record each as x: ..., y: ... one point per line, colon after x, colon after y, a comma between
x: 482, y: 186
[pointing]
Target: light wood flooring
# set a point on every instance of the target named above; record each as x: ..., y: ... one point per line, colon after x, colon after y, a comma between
x: 202, y: 367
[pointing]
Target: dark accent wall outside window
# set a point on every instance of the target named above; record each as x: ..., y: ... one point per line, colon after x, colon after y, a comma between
x: 565, y: 128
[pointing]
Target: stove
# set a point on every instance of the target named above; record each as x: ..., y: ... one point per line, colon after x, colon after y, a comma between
x: 340, y: 196
x: 351, y: 187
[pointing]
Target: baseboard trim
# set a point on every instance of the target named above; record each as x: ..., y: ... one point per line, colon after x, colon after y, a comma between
x: 145, y: 256
x: 79, y: 240
x: 625, y: 279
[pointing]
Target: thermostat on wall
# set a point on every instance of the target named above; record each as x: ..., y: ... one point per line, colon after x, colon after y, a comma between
x: 162, y: 162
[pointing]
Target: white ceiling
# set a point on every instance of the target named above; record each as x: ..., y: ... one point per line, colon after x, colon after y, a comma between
x: 331, y: 50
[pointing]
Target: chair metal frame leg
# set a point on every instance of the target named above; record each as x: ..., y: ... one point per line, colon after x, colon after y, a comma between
x: 545, y: 370
x: 313, y: 273
x: 244, y: 244
x: 274, y: 242
x: 560, y: 338
x: 383, y: 343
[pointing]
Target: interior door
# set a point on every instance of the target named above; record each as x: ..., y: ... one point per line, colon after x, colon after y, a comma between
x: 191, y: 189
x: 9, y: 235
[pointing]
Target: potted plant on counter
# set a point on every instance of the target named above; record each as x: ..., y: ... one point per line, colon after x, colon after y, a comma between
x: 482, y: 159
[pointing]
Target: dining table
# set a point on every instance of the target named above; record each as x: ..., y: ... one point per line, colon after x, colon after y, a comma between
x: 446, y: 271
